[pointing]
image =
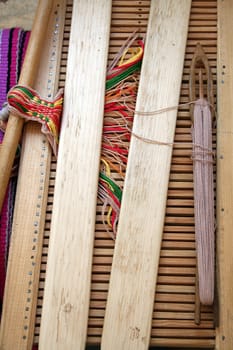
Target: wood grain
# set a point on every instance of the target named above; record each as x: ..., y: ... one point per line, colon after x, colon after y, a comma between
x: 128, y: 317
x: 18, y: 317
x: 225, y: 174
x: 27, y: 77
x: 178, y: 228
x: 17, y: 14
x: 67, y: 289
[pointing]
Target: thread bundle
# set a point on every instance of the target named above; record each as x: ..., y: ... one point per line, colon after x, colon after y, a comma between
x: 204, y: 199
x: 120, y: 100
x: 26, y: 103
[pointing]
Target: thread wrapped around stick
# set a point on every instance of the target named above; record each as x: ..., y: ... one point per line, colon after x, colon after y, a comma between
x: 27, y: 103
x: 203, y: 174
x: 204, y: 200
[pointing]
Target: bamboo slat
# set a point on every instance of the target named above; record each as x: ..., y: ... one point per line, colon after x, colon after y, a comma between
x: 67, y: 288
x: 225, y: 175
x: 129, y: 308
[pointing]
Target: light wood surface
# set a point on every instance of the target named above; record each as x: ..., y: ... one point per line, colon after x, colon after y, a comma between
x: 178, y: 247
x: 128, y: 317
x: 27, y: 77
x: 67, y: 288
x: 20, y: 299
x: 16, y: 13
x: 225, y: 174
x: 174, y: 298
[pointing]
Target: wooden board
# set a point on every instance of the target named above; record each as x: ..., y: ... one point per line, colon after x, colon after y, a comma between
x: 127, y: 323
x: 225, y: 174
x: 18, y: 317
x: 67, y: 289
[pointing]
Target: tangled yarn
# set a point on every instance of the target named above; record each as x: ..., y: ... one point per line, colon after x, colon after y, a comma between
x: 120, y: 100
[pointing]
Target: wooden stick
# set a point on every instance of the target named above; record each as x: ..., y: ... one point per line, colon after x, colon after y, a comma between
x: 203, y: 174
x: 20, y: 299
x: 27, y: 77
x: 225, y: 175
x: 68, y: 279
x: 128, y: 317
x: 197, y: 311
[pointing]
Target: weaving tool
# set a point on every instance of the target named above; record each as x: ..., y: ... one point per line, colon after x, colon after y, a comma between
x: 67, y: 288
x: 18, y: 317
x: 203, y: 173
x: 172, y: 323
x: 127, y: 323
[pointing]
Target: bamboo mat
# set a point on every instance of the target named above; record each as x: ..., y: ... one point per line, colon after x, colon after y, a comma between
x: 173, y: 317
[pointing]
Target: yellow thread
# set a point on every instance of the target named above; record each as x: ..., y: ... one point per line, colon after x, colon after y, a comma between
x: 58, y: 102
x: 53, y: 129
x: 109, y: 217
x: 108, y: 173
x: 135, y: 54
x: 107, y: 167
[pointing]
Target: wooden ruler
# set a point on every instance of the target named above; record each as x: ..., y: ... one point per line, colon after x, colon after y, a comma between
x: 225, y: 174
x: 127, y: 323
x: 67, y: 287
x: 20, y: 299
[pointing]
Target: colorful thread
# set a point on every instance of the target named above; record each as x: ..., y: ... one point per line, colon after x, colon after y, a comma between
x: 120, y: 100
x: 27, y: 103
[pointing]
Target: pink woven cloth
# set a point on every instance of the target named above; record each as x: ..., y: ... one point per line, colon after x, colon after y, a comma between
x: 13, y: 43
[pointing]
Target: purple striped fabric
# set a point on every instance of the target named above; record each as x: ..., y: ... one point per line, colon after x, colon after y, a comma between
x: 4, y: 64
x: 13, y: 43
x: 16, y: 34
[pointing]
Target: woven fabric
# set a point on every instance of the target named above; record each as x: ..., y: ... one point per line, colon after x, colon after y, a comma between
x: 27, y: 103
x: 13, y: 43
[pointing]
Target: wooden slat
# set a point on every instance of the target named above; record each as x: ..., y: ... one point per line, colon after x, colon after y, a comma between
x: 20, y: 299
x: 133, y: 278
x: 67, y: 289
x: 225, y: 174
x: 175, y: 233
x: 27, y: 77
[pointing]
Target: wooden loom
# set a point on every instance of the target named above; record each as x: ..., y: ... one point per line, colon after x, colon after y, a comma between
x: 174, y: 303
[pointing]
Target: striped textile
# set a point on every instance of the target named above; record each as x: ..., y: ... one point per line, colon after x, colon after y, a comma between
x: 13, y: 44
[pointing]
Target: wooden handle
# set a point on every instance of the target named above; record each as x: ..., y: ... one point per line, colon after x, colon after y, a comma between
x: 27, y: 77
x: 199, y: 62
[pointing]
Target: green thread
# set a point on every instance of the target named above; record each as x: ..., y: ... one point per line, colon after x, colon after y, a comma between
x: 115, y: 80
x: 116, y: 189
